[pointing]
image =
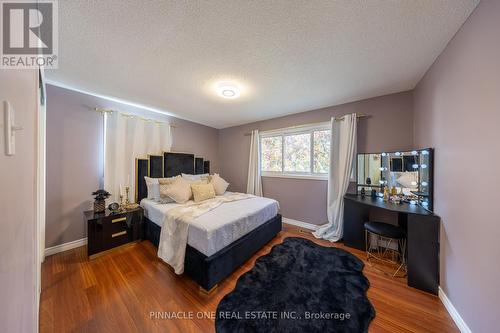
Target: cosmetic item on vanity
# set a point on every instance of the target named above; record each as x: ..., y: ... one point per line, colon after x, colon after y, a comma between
x: 396, y: 199
x: 394, y: 191
x: 374, y: 193
x: 363, y: 192
x: 386, y: 194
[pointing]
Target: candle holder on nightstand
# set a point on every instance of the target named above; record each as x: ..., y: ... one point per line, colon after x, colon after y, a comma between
x: 122, y: 205
x: 127, y: 201
x: 129, y: 205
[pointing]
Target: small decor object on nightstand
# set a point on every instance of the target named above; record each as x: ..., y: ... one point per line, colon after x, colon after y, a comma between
x: 99, y: 202
x: 114, y: 207
x: 132, y: 206
x: 127, y: 205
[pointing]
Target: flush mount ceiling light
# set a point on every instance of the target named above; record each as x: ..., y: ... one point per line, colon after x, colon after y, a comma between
x: 228, y: 90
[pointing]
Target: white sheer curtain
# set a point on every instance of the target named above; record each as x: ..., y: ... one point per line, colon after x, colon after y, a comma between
x: 342, y: 154
x: 254, y: 182
x: 127, y: 138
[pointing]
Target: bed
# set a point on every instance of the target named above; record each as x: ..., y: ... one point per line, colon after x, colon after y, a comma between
x: 220, y: 240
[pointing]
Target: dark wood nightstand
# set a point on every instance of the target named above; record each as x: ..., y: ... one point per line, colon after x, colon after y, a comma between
x: 109, y: 230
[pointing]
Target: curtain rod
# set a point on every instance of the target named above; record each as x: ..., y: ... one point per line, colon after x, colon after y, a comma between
x: 129, y: 115
x: 358, y: 116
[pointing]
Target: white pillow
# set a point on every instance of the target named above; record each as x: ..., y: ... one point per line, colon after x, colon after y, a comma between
x: 194, y: 177
x: 153, y: 188
x: 179, y: 190
x: 220, y: 185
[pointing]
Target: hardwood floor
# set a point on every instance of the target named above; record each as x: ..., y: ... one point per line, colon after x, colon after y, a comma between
x: 117, y: 292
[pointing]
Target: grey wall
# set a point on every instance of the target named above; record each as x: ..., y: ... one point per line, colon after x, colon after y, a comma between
x: 457, y: 110
x: 18, y: 205
x: 75, y: 156
x: 389, y: 127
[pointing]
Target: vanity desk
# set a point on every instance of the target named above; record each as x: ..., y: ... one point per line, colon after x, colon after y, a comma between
x: 407, y: 175
x: 422, y: 230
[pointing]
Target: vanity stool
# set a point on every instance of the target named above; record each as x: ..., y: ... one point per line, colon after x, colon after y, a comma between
x: 386, y: 236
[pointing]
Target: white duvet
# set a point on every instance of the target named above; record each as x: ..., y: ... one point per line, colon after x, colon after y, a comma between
x: 208, y: 226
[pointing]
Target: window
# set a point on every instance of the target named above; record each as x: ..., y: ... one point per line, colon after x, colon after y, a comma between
x: 271, y: 153
x: 296, y: 152
x: 321, y: 151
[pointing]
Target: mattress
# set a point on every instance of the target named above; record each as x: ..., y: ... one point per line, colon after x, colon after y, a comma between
x: 218, y: 228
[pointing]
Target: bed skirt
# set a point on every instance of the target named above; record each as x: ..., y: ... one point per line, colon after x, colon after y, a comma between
x: 208, y: 271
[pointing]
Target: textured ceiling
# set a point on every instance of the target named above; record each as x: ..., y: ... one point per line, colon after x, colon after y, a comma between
x: 288, y: 56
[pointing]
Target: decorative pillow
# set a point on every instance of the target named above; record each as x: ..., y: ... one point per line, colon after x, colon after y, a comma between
x: 220, y: 185
x: 207, y: 179
x: 153, y: 188
x: 202, y: 192
x: 165, y: 183
x: 194, y: 177
x: 196, y: 182
x: 179, y: 190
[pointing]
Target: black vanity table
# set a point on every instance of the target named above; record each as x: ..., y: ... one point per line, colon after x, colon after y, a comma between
x: 422, y: 229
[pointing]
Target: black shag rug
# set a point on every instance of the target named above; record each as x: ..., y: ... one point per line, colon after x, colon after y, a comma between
x: 299, y: 286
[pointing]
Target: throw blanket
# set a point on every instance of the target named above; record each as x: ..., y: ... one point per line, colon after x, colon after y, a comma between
x: 174, y: 233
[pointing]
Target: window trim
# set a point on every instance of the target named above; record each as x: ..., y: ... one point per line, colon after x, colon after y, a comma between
x: 317, y: 176
x: 310, y: 129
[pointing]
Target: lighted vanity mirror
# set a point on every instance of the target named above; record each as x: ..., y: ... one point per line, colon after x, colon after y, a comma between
x: 410, y: 173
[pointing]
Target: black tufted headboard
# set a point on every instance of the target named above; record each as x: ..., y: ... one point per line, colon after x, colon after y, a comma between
x: 166, y: 165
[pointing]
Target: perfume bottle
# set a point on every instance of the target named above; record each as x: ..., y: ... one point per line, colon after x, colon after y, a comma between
x: 394, y: 191
x: 386, y: 194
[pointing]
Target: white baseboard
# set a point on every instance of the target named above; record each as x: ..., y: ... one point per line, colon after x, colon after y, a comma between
x: 65, y: 247
x: 462, y: 326
x: 301, y: 224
